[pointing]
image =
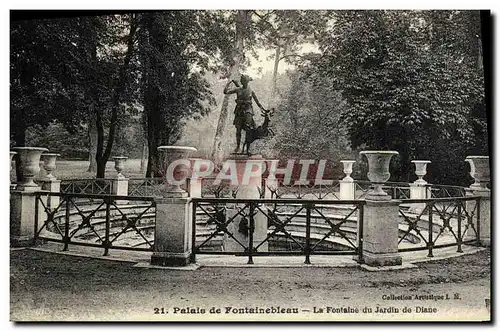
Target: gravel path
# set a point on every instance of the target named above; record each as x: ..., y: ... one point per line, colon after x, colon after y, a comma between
x: 53, y: 287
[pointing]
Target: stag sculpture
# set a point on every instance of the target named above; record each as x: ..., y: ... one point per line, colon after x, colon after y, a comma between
x: 260, y: 132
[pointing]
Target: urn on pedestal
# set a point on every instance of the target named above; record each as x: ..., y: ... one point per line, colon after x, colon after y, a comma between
x: 347, y: 170
x: 29, y: 166
x: 12, y: 185
x: 49, y: 163
x: 11, y: 156
x: 420, y: 170
x: 479, y: 170
x: 378, y: 172
x: 176, y: 166
x: 119, y: 165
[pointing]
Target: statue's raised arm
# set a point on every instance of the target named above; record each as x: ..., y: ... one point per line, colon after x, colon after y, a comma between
x: 227, y: 90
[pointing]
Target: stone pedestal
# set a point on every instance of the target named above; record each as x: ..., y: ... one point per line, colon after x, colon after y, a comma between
x: 173, y: 230
x: 52, y: 185
x: 418, y: 191
x: 249, y: 173
x: 22, y: 217
x: 347, y: 189
x: 12, y: 185
x: 347, y: 186
x: 195, y: 187
x: 484, y: 215
x: 380, y: 233
x: 119, y: 186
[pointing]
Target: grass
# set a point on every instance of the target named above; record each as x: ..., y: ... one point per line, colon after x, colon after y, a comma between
x: 78, y: 169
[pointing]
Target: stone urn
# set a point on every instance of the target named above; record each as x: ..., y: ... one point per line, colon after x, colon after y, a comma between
x: 49, y: 163
x: 119, y: 165
x: 29, y: 166
x: 181, y: 171
x: 11, y: 156
x: 420, y: 170
x: 378, y: 172
x: 347, y: 170
x: 479, y: 170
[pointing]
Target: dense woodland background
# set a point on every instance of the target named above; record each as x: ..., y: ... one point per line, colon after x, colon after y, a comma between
x: 91, y: 87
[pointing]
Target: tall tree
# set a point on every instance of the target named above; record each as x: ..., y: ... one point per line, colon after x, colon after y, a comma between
x: 177, y: 47
x: 73, y: 71
x: 45, y: 66
x: 116, y: 63
x: 407, y: 85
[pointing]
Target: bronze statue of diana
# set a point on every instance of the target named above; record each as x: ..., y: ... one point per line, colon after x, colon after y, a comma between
x: 243, y: 112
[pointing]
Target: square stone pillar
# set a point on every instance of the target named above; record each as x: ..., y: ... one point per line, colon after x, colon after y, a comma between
x: 484, y: 215
x: 249, y: 174
x: 52, y: 185
x: 195, y: 187
x: 119, y: 186
x: 380, y: 233
x: 347, y: 189
x: 22, y: 217
x: 173, y: 230
x: 418, y: 191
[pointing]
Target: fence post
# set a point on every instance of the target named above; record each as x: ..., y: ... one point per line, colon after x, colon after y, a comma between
x: 359, y: 257
x: 193, y: 231
x: 66, y: 224
x: 107, y: 243
x: 307, y: 246
x: 251, y: 230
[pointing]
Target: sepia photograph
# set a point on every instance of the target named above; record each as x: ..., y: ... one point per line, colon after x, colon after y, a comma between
x: 250, y: 165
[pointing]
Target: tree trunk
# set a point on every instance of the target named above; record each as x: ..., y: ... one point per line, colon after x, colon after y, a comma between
x: 20, y: 139
x: 275, y: 75
x: 92, y: 131
x: 143, y: 156
x: 152, y: 143
x: 101, y: 168
x: 238, y: 56
x: 103, y: 154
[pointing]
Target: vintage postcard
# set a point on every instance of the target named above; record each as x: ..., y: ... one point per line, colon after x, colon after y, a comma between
x: 250, y: 165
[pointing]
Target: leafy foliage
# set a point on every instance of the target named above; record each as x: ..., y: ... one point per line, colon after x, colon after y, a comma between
x: 308, y: 120
x: 407, y: 84
x: 170, y: 47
